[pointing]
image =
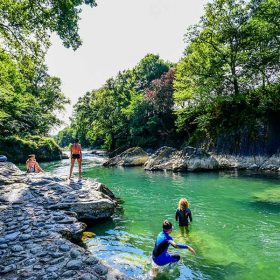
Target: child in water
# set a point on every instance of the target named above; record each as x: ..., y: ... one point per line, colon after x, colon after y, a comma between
x: 160, y: 255
x: 184, y: 215
x: 32, y: 165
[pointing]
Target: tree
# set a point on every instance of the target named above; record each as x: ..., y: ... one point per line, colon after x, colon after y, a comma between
x: 232, y: 52
x: 27, y: 24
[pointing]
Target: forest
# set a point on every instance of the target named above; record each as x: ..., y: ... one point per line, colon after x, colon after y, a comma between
x: 227, y: 83
x: 29, y: 97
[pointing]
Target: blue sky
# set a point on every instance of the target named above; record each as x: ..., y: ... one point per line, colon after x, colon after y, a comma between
x: 116, y: 35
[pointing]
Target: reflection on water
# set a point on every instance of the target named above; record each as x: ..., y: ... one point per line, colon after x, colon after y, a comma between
x: 235, y: 235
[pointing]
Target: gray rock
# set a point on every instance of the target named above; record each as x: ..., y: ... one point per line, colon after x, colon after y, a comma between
x: 131, y: 157
x: 17, y: 248
x: 100, y: 269
x: 88, y: 276
x: 75, y: 254
x: 68, y: 273
x: 24, y: 237
x: 91, y: 260
x: 188, y: 159
x: 7, y: 269
x: 74, y: 264
x: 12, y: 236
x: 64, y: 248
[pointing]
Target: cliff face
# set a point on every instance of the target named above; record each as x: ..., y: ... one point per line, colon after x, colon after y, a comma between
x: 263, y: 140
x: 39, y: 217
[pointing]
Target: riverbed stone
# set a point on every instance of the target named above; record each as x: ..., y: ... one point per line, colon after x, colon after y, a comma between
x: 33, y: 232
x: 74, y: 264
x: 131, y: 157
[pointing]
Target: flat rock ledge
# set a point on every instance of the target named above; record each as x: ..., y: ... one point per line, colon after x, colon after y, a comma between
x: 39, y: 220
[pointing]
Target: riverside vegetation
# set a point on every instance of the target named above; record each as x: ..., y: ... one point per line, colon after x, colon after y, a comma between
x: 223, y: 95
x: 29, y: 97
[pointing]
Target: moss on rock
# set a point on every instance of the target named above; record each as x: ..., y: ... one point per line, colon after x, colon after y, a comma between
x: 268, y: 196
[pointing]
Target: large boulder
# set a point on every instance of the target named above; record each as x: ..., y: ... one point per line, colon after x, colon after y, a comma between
x: 162, y: 159
x: 131, y: 157
x: 188, y: 159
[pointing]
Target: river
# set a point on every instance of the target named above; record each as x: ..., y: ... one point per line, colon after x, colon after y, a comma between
x: 236, y: 236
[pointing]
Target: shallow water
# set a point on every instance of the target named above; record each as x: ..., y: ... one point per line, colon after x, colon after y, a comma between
x: 235, y: 236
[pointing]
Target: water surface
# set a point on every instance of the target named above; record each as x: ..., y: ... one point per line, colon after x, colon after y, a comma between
x: 235, y: 236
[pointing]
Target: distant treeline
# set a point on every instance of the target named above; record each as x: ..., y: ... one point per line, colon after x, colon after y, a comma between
x: 227, y: 79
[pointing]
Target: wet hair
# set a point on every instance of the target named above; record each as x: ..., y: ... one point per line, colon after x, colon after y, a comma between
x: 183, y: 204
x: 29, y: 157
x: 166, y: 225
x: 76, y: 140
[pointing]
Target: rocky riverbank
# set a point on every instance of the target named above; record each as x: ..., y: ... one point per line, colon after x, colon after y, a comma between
x: 39, y: 219
x: 193, y: 159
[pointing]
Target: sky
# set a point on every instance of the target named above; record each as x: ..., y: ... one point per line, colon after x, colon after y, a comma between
x: 116, y: 35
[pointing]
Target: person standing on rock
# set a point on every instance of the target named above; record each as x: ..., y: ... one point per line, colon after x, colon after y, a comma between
x: 32, y: 165
x: 76, y: 154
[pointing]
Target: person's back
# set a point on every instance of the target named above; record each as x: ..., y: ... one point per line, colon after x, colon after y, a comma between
x: 76, y: 154
x: 76, y: 149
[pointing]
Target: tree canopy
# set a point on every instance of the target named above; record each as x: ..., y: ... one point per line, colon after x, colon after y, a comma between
x: 29, y: 97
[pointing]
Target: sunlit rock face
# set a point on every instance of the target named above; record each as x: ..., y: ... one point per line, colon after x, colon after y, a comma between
x: 188, y: 159
x: 39, y: 217
x: 131, y: 157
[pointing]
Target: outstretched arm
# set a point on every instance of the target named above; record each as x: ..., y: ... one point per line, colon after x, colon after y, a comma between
x: 181, y: 246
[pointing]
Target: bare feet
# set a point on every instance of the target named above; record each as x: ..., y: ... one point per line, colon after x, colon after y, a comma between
x: 154, y: 272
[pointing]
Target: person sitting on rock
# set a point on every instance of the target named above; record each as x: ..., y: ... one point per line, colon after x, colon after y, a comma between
x: 32, y: 165
x: 160, y: 255
x: 76, y: 154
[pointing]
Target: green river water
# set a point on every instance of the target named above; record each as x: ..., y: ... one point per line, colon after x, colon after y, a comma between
x: 235, y: 235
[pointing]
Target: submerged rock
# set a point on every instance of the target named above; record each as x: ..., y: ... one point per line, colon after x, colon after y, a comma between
x: 38, y: 220
x: 268, y: 196
x: 213, y: 250
x: 188, y: 159
x: 131, y: 157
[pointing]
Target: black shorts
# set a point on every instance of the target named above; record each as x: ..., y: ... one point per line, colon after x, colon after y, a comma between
x: 76, y: 156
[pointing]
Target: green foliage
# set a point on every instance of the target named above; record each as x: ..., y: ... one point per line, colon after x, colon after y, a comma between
x: 17, y: 149
x: 29, y: 97
x: 27, y: 24
x: 119, y: 113
x: 229, y: 76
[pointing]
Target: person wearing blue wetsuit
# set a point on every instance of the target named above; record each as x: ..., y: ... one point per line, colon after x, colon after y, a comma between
x: 160, y: 255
